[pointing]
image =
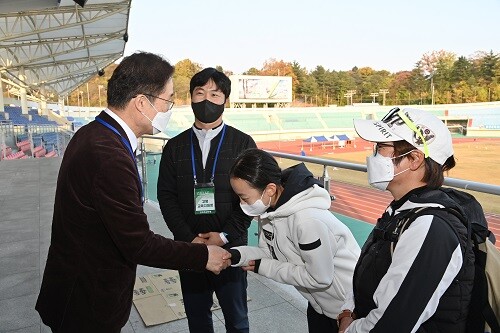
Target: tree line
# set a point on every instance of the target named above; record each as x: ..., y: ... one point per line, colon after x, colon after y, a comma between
x: 438, y: 77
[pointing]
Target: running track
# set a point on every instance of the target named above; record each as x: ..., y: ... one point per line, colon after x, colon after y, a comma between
x: 366, y: 204
x: 361, y: 203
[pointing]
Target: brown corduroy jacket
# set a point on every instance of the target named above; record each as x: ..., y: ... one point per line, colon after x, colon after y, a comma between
x: 100, y: 234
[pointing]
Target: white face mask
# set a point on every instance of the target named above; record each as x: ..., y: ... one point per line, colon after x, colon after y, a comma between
x: 381, y: 170
x: 160, y: 120
x: 257, y: 208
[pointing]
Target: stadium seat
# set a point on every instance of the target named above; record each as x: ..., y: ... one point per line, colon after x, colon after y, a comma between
x: 18, y: 118
x: 40, y: 153
x: 15, y: 156
x: 51, y: 154
x: 22, y: 143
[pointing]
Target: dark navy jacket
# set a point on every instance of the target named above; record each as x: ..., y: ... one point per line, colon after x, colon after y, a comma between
x: 176, y: 186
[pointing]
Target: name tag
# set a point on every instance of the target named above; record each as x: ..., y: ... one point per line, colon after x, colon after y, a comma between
x: 204, y: 198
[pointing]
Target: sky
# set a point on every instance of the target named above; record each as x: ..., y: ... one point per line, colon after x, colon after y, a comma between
x: 338, y: 35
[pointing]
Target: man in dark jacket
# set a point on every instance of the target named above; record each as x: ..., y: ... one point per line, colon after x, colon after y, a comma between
x: 99, y: 230
x: 199, y: 205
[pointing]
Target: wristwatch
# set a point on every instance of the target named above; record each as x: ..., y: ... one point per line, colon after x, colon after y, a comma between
x: 343, y: 314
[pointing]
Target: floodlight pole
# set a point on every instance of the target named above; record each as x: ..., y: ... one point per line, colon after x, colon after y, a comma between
x: 100, y: 86
x: 78, y: 100
x: 383, y: 92
x: 88, y: 100
x: 347, y: 96
x: 432, y: 89
x: 81, y: 100
x: 351, y: 93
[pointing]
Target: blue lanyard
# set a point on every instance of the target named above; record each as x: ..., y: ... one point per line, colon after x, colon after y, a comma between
x: 215, y: 159
x: 129, y: 148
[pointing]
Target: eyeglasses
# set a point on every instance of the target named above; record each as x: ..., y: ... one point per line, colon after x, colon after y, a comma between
x: 169, y: 106
x: 378, y: 146
x: 411, y: 125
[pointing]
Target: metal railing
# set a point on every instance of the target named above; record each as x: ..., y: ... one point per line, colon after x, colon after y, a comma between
x: 453, y: 182
x: 143, y: 160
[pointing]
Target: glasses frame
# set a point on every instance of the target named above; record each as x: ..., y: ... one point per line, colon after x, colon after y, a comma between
x: 379, y: 145
x: 171, y: 105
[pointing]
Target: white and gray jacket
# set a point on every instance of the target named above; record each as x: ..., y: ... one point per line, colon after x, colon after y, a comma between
x: 303, y: 244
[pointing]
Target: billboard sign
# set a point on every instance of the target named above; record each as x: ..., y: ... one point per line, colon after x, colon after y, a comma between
x: 260, y: 89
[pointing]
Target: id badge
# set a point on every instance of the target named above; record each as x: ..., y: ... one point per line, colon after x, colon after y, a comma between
x: 204, y: 198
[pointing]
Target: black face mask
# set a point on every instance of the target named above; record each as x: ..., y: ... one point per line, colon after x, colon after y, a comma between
x: 206, y: 111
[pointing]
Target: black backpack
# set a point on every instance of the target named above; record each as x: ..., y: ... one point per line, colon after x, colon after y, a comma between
x: 484, y: 308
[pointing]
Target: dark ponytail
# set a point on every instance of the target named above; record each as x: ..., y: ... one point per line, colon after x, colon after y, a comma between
x: 257, y: 167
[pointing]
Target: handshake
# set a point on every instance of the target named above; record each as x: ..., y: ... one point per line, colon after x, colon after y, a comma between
x: 218, y: 259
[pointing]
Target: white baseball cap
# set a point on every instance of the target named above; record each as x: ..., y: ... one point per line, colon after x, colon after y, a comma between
x: 422, y: 129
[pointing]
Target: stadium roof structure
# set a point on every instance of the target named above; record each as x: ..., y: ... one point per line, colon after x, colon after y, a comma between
x: 56, y: 45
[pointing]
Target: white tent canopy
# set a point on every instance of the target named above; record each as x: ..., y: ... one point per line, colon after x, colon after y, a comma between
x: 50, y: 48
x: 333, y: 138
x: 317, y: 138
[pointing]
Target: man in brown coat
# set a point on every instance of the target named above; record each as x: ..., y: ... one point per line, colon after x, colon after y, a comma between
x: 100, y: 232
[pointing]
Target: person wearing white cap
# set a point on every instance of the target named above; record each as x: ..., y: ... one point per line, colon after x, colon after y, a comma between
x: 415, y: 278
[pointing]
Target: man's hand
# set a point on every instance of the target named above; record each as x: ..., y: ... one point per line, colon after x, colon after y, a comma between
x: 250, y: 267
x: 344, y: 324
x: 199, y: 240
x: 218, y: 259
x: 212, y: 238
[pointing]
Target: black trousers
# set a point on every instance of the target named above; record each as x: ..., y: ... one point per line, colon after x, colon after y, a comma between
x: 230, y: 287
x: 319, y: 323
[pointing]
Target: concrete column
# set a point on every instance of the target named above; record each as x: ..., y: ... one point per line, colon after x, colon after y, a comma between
x: 60, y: 101
x: 43, y: 102
x: 22, y: 91
x: 2, y: 109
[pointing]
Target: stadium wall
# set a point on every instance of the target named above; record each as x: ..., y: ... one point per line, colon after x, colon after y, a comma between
x: 270, y: 124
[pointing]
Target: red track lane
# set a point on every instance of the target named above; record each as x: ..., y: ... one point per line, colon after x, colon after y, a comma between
x: 368, y: 204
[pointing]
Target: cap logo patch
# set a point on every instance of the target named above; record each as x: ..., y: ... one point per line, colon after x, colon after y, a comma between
x: 394, y: 120
x: 428, y: 135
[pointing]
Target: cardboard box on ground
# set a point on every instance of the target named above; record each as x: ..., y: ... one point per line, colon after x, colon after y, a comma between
x: 158, y: 298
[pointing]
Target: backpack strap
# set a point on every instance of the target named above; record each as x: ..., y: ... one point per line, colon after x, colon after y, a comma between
x: 405, y: 222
